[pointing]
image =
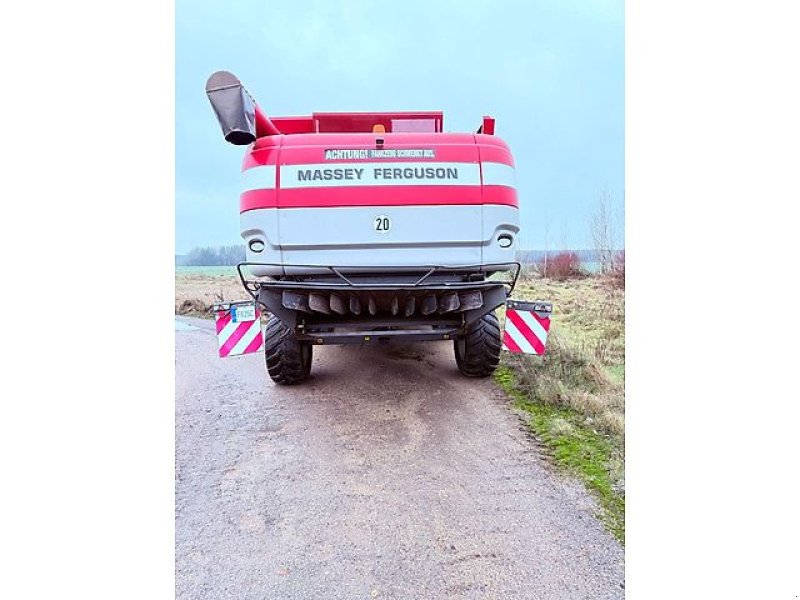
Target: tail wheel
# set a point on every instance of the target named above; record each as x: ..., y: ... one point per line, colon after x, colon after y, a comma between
x: 478, y: 352
x: 288, y: 359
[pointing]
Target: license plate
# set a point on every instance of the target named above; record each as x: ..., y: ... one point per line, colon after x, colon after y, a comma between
x: 240, y: 314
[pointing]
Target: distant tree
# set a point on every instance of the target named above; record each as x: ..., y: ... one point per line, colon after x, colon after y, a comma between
x: 231, y: 255
x: 564, y: 237
x: 563, y: 265
x: 618, y: 269
x: 208, y: 256
x: 546, y: 243
x: 601, y: 227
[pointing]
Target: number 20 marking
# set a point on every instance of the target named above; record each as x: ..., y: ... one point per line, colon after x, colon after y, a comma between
x: 382, y: 224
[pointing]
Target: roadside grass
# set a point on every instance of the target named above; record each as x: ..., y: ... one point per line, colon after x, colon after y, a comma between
x: 574, y: 396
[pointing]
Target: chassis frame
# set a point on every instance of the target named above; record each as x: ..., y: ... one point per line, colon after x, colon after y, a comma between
x: 321, y: 328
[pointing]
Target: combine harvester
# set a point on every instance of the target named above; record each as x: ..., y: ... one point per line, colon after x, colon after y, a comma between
x: 373, y: 228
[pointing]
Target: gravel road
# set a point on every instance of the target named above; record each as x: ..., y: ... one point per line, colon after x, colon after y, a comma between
x: 387, y: 475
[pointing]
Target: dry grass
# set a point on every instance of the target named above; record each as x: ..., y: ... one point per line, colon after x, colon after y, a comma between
x: 588, y: 317
x: 617, y: 273
x: 584, y: 367
x: 195, y: 293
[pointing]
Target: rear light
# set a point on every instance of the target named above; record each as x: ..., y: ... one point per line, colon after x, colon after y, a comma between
x: 256, y: 246
x: 505, y: 240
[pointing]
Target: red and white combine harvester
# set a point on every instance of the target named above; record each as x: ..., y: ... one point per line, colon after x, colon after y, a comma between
x: 373, y: 228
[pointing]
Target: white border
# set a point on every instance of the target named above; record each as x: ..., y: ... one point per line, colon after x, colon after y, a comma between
x: 712, y: 186
x: 87, y: 426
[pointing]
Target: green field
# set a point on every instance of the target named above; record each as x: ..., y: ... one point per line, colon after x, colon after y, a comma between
x: 226, y: 271
x: 589, y: 267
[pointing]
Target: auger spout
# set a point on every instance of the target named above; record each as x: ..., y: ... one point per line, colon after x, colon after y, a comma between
x: 241, y: 119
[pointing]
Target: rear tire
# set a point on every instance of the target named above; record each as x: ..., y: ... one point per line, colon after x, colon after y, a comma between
x: 478, y: 352
x: 288, y: 359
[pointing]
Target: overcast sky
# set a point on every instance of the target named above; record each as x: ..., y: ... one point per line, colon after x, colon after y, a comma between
x: 551, y: 73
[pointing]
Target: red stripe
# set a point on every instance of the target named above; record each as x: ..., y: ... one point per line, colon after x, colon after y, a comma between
x: 223, y: 318
x: 500, y: 194
x: 367, y: 140
x: 310, y: 148
x: 258, y: 199
x: 374, y: 195
x: 399, y: 195
x: 495, y: 153
x: 238, y: 334
x: 526, y: 332
x: 302, y: 155
x: 510, y: 343
x: 543, y: 321
x: 255, y: 344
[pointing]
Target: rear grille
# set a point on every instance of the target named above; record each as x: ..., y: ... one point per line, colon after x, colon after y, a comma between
x: 409, y: 303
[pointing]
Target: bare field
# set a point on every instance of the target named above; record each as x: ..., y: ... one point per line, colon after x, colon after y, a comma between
x: 196, y: 291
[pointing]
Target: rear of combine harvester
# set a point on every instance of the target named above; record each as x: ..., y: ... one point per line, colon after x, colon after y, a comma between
x: 372, y: 227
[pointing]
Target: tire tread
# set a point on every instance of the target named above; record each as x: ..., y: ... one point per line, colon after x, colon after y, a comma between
x: 284, y: 354
x: 482, y: 345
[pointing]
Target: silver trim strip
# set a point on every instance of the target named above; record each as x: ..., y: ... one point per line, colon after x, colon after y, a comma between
x: 258, y: 178
x: 499, y: 174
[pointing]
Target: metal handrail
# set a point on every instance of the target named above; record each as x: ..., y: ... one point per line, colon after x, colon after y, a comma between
x: 253, y: 286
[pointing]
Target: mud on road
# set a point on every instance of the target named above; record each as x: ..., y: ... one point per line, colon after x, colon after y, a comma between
x: 387, y: 475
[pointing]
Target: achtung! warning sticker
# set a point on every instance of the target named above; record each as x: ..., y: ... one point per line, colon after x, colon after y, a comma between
x: 363, y: 153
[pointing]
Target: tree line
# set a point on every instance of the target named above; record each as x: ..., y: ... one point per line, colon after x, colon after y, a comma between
x: 211, y: 256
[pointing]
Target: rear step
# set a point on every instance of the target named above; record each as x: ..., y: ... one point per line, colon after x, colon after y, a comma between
x: 368, y: 336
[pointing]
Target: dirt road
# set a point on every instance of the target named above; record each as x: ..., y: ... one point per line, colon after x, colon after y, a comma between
x: 387, y: 475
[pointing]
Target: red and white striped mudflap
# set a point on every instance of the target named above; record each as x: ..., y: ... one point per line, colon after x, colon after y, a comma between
x: 527, y: 324
x: 238, y: 327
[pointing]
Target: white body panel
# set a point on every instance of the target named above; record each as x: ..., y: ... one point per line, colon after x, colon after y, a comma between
x: 448, y: 235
